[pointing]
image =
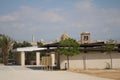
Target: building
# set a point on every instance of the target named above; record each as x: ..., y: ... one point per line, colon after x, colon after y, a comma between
x: 85, y: 38
x: 64, y: 36
x: 21, y: 56
x: 91, y: 56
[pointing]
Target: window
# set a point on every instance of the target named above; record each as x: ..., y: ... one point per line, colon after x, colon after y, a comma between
x: 85, y: 38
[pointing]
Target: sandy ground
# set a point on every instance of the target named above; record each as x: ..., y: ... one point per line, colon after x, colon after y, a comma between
x: 23, y: 73
x: 111, y: 74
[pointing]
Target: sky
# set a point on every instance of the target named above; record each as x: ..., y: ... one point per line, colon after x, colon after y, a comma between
x: 49, y: 19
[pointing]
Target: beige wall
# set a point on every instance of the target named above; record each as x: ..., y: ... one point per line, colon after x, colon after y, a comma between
x: 94, y: 60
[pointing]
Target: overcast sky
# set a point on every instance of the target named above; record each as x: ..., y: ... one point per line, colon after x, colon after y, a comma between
x: 48, y: 19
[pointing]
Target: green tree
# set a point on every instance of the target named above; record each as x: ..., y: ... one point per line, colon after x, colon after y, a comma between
x: 109, y: 47
x: 5, y: 44
x: 26, y: 44
x: 23, y: 44
x: 68, y: 47
x: 39, y: 44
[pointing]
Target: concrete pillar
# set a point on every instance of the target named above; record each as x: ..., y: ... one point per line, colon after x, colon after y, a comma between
x: 53, y: 59
x: 37, y: 58
x: 22, y: 58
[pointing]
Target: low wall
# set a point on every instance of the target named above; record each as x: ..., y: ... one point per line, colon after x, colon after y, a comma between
x: 92, y: 60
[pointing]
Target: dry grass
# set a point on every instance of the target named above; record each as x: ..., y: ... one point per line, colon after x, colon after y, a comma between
x: 112, y: 74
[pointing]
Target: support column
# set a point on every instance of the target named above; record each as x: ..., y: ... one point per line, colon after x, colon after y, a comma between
x: 53, y: 59
x: 22, y: 58
x: 37, y: 58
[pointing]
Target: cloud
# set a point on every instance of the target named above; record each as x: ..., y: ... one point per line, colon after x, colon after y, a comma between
x: 52, y: 17
x: 26, y: 13
x: 99, y: 21
x: 28, y: 21
x: 7, y: 18
x: 88, y: 13
x: 52, y: 22
x: 84, y: 4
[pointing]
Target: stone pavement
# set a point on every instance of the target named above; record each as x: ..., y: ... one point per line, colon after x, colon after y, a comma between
x: 23, y: 73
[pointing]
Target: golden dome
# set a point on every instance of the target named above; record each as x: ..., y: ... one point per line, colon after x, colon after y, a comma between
x: 64, y: 36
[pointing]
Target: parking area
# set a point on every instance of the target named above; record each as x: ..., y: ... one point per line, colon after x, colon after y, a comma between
x: 25, y: 73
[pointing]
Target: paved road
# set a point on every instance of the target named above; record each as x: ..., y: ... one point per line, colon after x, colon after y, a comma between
x: 23, y: 73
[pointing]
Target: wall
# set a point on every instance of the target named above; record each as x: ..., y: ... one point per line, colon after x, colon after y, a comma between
x: 94, y: 60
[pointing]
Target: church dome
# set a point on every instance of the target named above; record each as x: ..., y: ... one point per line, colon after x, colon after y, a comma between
x: 64, y: 36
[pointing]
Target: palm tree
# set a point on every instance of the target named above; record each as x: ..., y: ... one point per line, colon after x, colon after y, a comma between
x: 109, y: 47
x: 5, y: 44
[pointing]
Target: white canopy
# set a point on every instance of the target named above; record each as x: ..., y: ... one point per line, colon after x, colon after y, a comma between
x: 34, y: 48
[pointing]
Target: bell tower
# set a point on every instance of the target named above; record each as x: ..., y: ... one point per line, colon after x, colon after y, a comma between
x: 85, y: 38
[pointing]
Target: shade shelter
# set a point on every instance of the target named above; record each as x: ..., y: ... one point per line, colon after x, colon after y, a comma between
x: 20, y: 54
